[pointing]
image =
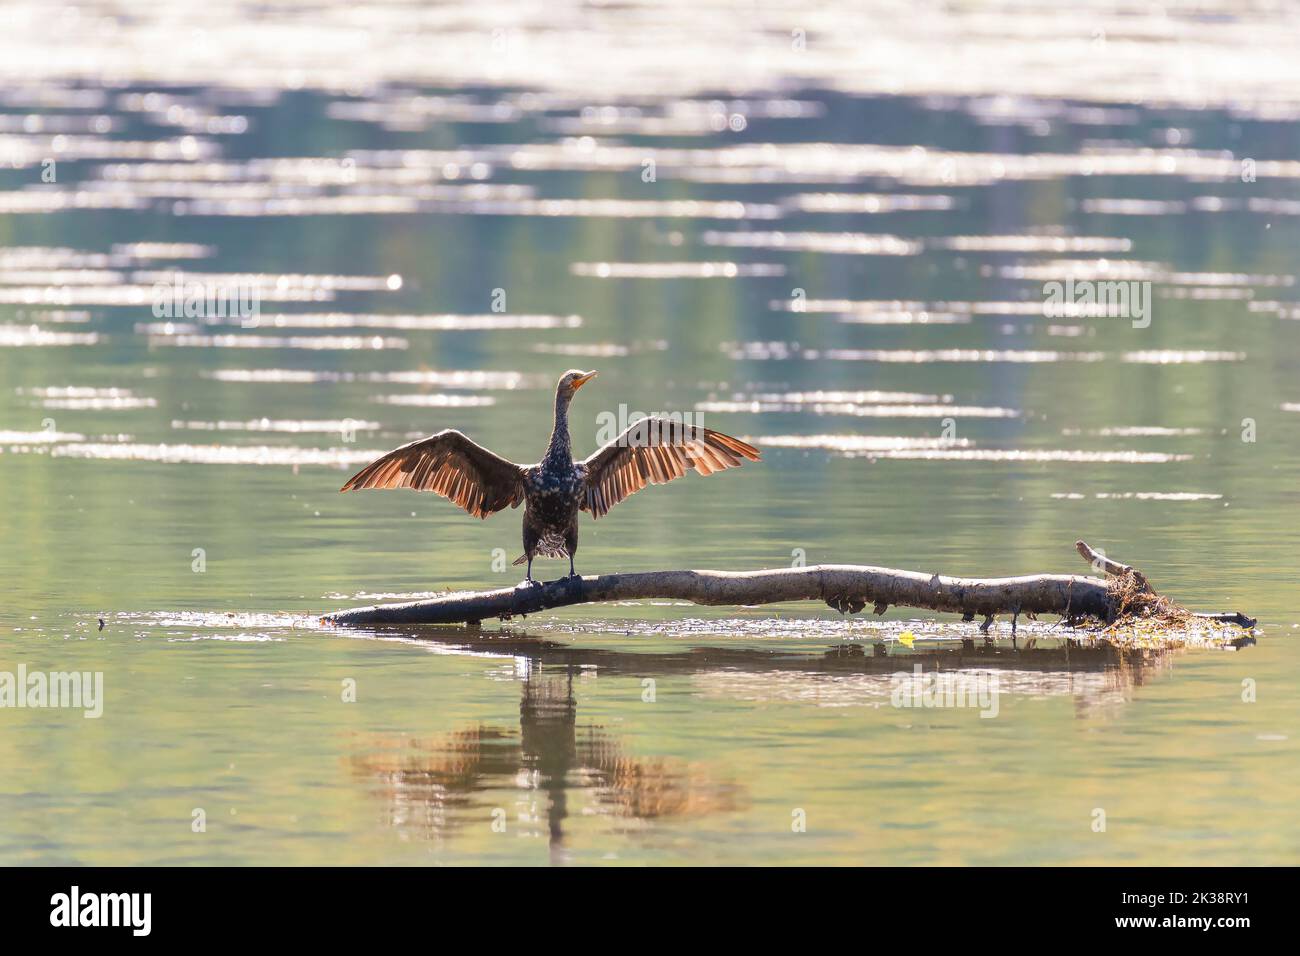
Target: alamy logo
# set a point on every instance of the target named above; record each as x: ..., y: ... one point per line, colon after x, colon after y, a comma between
x: 102, y: 909
x: 83, y: 690
x: 1074, y: 298
x: 662, y: 428
x: 978, y: 689
x: 188, y: 298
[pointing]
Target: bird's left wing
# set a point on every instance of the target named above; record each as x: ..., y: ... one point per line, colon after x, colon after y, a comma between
x: 451, y: 465
x: 653, y: 451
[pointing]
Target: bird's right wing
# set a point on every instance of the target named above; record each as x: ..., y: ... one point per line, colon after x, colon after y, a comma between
x: 451, y: 465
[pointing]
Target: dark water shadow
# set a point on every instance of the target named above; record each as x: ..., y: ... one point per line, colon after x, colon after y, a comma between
x: 1054, y: 653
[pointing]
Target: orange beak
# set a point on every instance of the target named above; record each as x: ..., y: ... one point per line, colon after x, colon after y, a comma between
x: 582, y: 380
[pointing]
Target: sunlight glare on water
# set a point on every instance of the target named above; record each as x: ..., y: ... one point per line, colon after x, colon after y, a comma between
x: 229, y: 278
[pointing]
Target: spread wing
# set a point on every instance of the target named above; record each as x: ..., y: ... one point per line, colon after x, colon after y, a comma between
x: 653, y: 451
x: 451, y: 465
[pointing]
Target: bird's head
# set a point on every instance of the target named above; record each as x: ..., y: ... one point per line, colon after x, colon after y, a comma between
x: 572, y: 380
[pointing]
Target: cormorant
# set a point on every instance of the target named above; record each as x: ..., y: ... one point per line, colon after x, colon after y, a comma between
x: 553, y: 491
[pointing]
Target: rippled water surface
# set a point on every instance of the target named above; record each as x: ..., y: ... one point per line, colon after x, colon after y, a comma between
x: 232, y: 273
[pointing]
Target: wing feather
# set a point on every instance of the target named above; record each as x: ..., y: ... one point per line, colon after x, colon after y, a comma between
x: 654, y: 451
x: 451, y: 465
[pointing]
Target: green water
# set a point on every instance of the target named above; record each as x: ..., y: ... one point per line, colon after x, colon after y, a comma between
x: 647, y: 733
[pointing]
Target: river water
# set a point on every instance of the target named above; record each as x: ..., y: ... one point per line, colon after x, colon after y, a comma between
x: 834, y: 233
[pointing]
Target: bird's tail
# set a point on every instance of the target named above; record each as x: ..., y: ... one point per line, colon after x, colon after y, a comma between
x: 522, y: 559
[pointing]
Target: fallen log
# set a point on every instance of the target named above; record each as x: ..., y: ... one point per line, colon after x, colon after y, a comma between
x: 1123, y: 593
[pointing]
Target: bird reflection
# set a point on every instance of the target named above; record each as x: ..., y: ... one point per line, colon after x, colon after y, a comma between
x: 558, y: 767
x: 435, y: 786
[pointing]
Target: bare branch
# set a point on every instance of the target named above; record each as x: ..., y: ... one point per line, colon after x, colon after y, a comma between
x: 847, y: 588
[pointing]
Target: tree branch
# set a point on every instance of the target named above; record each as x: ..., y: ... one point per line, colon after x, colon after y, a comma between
x: 847, y: 588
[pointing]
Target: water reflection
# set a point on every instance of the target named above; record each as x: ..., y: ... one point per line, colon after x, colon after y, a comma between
x: 1044, y: 662
x: 435, y: 786
x: 532, y: 780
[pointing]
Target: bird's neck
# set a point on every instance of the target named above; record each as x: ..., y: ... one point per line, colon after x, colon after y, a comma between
x: 560, y: 449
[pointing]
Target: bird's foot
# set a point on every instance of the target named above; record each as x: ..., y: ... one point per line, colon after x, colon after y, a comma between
x: 529, y: 583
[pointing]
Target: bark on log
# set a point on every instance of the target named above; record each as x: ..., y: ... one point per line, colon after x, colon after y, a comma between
x: 847, y: 588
